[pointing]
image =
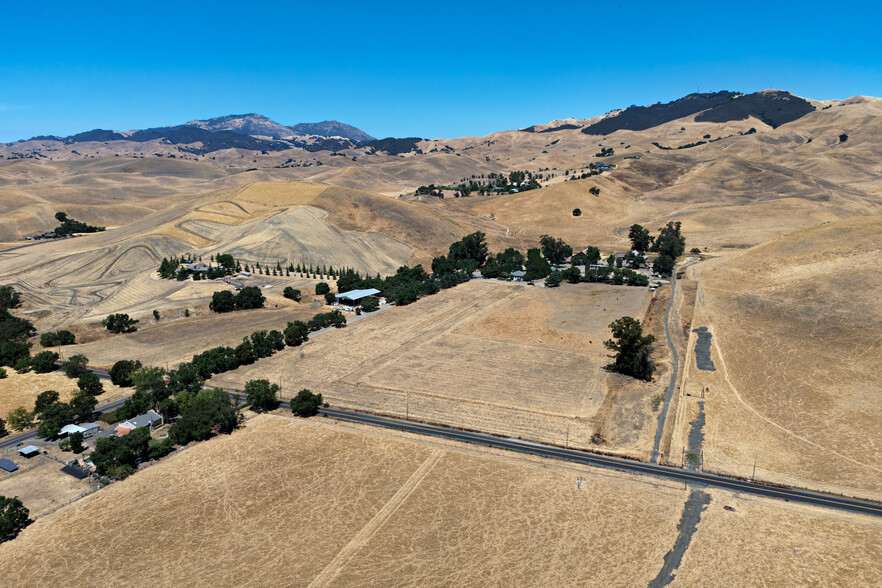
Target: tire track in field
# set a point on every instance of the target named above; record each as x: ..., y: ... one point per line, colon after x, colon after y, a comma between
x: 345, y: 555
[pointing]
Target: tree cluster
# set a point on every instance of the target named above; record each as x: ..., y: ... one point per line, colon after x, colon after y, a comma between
x: 120, y: 323
x: 58, y: 338
x: 70, y: 226
x: 248, y: 297
x: 14, y: 331
x: 13, y: 517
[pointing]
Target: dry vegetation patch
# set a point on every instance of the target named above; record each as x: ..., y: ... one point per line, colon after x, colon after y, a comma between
x: 22, y: 389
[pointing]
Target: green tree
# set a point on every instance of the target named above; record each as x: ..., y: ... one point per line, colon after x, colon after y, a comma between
x: 19, y: 418
x: 90, y: 383
x: 9, y: 298
x: 156, y: 315
x: 554, y: 279
x: 262, y: 395
x: 537, y: 267
x: 669, y: 241
x: 249, y: 297
x: 577, y: 212
x: 3, y: 431
x: 306, y: 404
x: 83, y: 405
x: 640, y: 239
x: 45, y: 400
x: 44, y: 362
x: 223, y: 301
x: 13, y: 517
x: 13, y: 328
x: 119, y: 323
x: 554, y: 250
x: 121, y: 372
x: 330, y: 298
x: 75, y: 441
x: 206, y: 412
x: 226, y: 261
x: 663, y: 265
x: 369, y: 304
x: 58, y: 338
x: 291, y: 293
x: 322, y: 288
x: 632, y: 348
x: 296, y: 333
x: 2, y: 373
x: 75, y: 365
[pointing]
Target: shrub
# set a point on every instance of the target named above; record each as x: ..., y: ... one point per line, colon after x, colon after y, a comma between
x: 322, y: 288
x: 577, y: 212
x: 369, y: 304
x: 19, y: 418
x: 2, y: 373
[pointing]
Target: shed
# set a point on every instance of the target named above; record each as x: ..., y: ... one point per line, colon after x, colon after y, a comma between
x: 518, y: 275
x: 354, y: 297
x: 90, y: 429
x: 29, y: 451
x: 72, y: 470
x: 8, y: 465
x: 70, y: 429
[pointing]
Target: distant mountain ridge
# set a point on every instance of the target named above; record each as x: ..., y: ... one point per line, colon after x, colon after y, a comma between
x: 242, y: 131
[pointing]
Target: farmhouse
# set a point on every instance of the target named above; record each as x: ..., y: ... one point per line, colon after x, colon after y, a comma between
x: 149, y: 419
x: 29, y: 451
x: 196, y: 267
x: 8, y: 465
x: 353, y: 298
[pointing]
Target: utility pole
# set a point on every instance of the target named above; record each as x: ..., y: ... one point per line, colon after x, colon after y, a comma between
x: 407, y: 406
x: 568, y: 436
x: 753, y: 475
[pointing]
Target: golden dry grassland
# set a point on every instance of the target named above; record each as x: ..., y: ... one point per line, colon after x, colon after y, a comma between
x: 22, y: 389
x: 318, y: 503
x: 796, y: 345
x: 504, y: 358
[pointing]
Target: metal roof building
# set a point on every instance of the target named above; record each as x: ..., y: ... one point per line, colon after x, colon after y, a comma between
x: 72, y: 470
x: 69, y: 429
x: 353, y: 297
x: 29, y: 450
x: 8, y: 465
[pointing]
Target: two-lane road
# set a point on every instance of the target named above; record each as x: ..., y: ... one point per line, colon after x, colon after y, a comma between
x: 592, y: 459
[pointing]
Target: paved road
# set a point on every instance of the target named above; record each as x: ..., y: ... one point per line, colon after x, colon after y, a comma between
x: 591, y: 459
x: 21, y: 437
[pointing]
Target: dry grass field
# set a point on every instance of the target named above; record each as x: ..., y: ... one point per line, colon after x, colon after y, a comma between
x: 504, y: 358
x: 40, y: 483
x: 175, y: 339
x: 22, y: 389
x: 317, y: 503
x: 796, y: 344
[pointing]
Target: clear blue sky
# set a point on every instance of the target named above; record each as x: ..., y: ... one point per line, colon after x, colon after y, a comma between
x: 429, y: 69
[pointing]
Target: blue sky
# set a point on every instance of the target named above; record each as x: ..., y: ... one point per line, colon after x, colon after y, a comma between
x: 429, y: 69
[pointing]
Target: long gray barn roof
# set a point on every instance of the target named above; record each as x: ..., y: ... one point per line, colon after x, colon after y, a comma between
x: 357, y: 294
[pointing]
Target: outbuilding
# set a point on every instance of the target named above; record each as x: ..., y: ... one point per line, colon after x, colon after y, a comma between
x: 76, y: 472
x: 69, y: 430
x: 8, y: 465
x: 29, y: 451
x: 353, y: 298
x: 518, y: 276
x: 90, y: 429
